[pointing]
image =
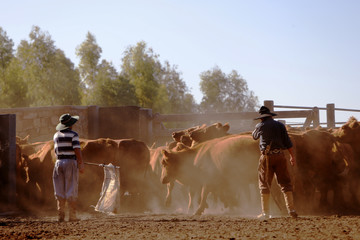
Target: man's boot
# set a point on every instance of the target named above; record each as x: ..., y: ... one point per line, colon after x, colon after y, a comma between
x: 289, y: 201
x: 72, y: 211
x: 265, y: 206
x: 61, y: 209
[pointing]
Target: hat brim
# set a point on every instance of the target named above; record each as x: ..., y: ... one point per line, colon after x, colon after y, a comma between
x: 266, y: 115
x: 71, y: 122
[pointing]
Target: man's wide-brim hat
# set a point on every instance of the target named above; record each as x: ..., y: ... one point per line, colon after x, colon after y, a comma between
x: 66, y: 121
x: 265, y: 112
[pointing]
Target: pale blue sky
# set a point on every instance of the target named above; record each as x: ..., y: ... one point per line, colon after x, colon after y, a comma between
x: 301, y: 53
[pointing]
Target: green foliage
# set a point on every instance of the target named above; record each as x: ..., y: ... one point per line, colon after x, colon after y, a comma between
x: 65, y: 81
x: 6, y: 50
x: 156, y: 86
x: 142, y: 67
x: 110, y: 89
x: 11, y: 85
x: 179, y: 100
x: 89, y: 53
x: 50, y: 77
x: 13, y: 88
x: 226, y: 93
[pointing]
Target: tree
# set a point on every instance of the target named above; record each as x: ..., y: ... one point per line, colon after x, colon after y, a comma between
x: 178, y: 97
x: 142, y: 67
x: 6, y: 51
x: 11, y: 85
x: 50, y: 77
x: 89, y: 53
x: 157, y: 86
x: 223, y: 93
x: 66, y: 81
x: 13, y: 88
x: 110, y: 89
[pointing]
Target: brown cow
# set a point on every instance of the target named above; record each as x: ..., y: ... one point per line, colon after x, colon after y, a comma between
x: 39, y: 166
x: 349, y: 134
x: 191, y: 137
x: 164, y: 192
x: 131, y: 155
x: 219, y: 166
x: 320, y: 166
x: 183, y: 136
x: 133, y: 158
x: 203, y: 134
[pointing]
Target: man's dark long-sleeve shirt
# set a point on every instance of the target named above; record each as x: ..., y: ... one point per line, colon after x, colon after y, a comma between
x: 274, y: 132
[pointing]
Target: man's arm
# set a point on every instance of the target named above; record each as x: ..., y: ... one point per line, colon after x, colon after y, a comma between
x: 292, y: 156
x: 256, y: 133
x: 79, y: 159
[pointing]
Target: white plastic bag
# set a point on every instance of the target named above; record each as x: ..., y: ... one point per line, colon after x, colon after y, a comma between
x: 109, y: 201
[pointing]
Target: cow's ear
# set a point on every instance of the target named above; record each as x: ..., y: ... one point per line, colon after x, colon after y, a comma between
x: 165, y: 153
x: 226, y: 127
x: 218, y: 125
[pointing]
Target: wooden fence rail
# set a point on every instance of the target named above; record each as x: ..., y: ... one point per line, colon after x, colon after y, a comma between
x: 310, y: 114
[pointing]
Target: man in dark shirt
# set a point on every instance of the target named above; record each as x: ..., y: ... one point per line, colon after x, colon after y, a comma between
x: 273, y: 140
x: 67, y: 166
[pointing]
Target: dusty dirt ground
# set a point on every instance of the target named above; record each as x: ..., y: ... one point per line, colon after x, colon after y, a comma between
x: 178, y: 226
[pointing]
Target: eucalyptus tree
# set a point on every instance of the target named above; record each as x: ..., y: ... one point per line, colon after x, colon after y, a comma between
x: 112, y: 89
x: 6, y: 51
x: 178, y: 97
x: 8, y: 80
x: 224, y: 93
x: 50, y: 77
x: 89, y: 53
x: 157, y: 86
x: 142, y: 67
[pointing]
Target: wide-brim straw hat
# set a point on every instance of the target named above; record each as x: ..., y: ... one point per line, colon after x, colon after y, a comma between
x: 66, y: 121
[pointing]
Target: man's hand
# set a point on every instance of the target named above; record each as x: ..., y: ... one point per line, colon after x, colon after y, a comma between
x: 292, y: 157
x: 292, y: 160
x: 81, y: 167
x: 79, y: 159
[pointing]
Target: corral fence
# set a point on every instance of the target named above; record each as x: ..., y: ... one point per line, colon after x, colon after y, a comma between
x: 307, y: 117
x: 131, y: 122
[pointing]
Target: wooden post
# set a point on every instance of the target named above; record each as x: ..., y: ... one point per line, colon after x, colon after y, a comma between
x: 269, y: 104
x: 330, y: 115
x: 316, y: 117
x: 8, y: 158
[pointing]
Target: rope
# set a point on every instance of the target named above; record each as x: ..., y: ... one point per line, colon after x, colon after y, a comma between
x: 99, y: 165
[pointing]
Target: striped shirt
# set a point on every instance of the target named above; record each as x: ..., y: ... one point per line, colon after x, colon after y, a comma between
x: 274, y: 132
x: 65, y: 141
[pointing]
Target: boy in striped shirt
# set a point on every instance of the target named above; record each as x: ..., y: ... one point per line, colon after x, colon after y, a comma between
x: 67, y: 166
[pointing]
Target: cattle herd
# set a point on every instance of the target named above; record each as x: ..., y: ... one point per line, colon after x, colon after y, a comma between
x: 205, y: 169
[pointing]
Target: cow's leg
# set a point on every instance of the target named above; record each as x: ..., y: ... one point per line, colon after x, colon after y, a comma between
x: 203, y: 204
x: 170, y: 187
x: 191, y: 197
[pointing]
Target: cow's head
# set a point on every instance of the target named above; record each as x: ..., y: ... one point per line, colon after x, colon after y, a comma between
x: 169, y: 167
x: 186, y: 140
x: 177, y: 135
x: 349, y: 132
x: 206, y: 133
